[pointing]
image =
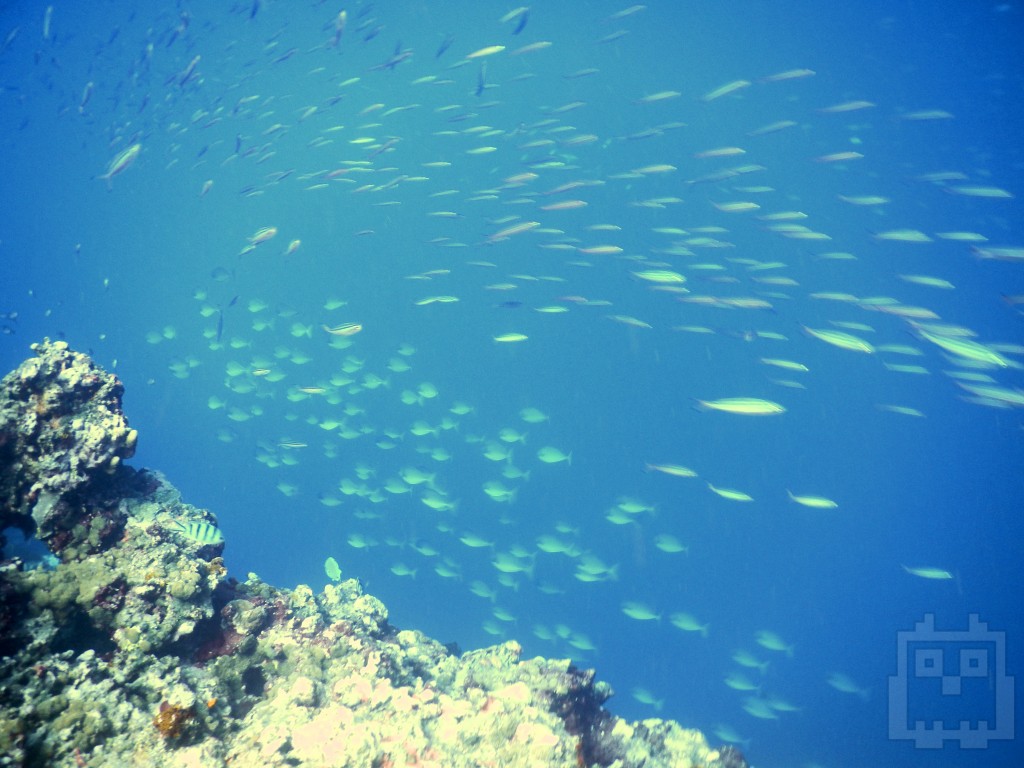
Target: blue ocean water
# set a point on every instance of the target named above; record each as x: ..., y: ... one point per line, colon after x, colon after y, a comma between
x: 707, y: 140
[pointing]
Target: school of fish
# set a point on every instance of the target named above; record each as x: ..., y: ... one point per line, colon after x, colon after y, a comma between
x: 513, y: 211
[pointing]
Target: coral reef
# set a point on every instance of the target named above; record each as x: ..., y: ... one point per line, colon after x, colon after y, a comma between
x: 138, y: 648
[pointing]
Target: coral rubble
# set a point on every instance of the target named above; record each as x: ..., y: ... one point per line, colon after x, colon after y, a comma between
x: 139, y: 649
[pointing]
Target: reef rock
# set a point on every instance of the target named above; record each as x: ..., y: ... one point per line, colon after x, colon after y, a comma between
x: 138, y: 648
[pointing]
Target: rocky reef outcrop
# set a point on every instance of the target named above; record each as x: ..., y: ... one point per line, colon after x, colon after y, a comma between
x: 136, y: 647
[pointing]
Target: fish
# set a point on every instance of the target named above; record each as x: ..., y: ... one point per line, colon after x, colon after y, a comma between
x: 655, y: 168
x: 725, y: 90
x: 473, y: 541
x: 121, y: 163
x: 629, y: 320
x: 864, y: 199
x: 510, y: 338
x: 789, y: 74
x: 507, y: 562
x: 533, y: 415
x: 688, y: 623
x: 564, y: 205
x: 1009, y: 253
x: 779, y: 125
x: 188, y: 74
x: 332, y: 569
x: 759, y: 708
x: 601, y: 250
x: 531, y: 47
x: 736, y: 207
x: 730, y: 493
x: 780, y: 705
x: 644, y: 696
x: 928, y: 572
x: 201, y: 533
x: 747, y: 659
x: 746, y: 406
x: 660, y: 276
x: 262, y: 235
x: 903, y: 236
x: 840, y: 157
x: 618, y: 15
x: 86, y: 95
x: 847, y: 106
x: 640, y: 612
x: 446, y: 43
x: 345, y: 329
x: 489, y: 50
x: 553, y: 546
x: 675, y: 470
x: 591, y: 565
x: 519, y: 16
x: 669, y: 544
x: 659, y: 96
x: 966, y: 349
x: 729, y: 735
x: 739, y: 682
x: 340, y: 22
x: 927, y: 280
x: 844, y: 684
x: 515, y: 229
x: 768, y: 639
x: 551, y: 455
x: 978, y: 191
x: 814, y: 502
x: 995, y: 393
x: 401, y: 569
x: 840, y: 339
x: 788, y: 365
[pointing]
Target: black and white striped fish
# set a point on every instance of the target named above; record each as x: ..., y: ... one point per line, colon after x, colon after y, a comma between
x: 199, y: 532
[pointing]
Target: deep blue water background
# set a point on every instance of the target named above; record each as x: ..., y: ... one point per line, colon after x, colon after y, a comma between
x: 105, y: 268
